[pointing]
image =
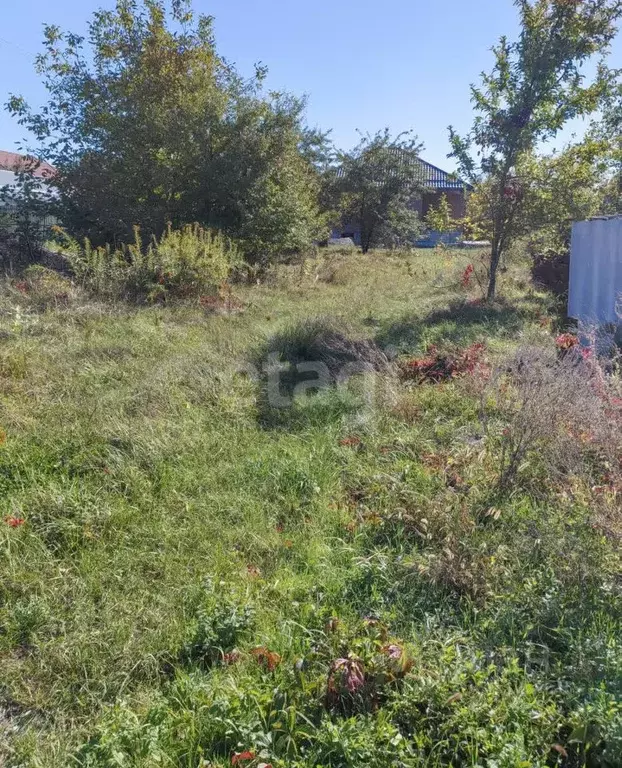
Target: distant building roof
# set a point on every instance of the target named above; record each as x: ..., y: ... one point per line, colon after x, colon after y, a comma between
x: 439, y: 179
x: 12, y: 161
x: 427, y: 175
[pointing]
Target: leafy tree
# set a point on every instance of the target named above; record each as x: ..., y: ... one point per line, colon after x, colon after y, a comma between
x: 477, y: 222
x: 537, y: 85
x: 609, y: 130
x: 555, y: 190
x: 375, y: 183
x: 563, y: 187
x: 147, y: 124
x: 265, y: 182
x: 25, y: 206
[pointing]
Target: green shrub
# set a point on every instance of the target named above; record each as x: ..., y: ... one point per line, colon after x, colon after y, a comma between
x: 182, y: 263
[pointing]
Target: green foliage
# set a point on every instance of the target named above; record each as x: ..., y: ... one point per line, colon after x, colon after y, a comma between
x: 23, y: 227
x: 477, y: 222
x: 535, y: 87
x: 564, y: 188
x: 609, y: 131
x: 146, y: 124
x: 181, y: 263
x: 374, y: 185
x: 439, y: 217
x: 555, y: 190
x: 220, y: 624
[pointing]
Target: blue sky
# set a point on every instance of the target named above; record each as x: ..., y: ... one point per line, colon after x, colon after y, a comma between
x: 364, y: 65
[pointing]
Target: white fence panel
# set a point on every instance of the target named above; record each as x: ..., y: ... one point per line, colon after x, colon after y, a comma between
x: 596, y: 271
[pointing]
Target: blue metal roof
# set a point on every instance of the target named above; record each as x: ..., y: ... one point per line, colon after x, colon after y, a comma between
x: 426, y: 174
x: 438, y: 179
x: 429, y: 175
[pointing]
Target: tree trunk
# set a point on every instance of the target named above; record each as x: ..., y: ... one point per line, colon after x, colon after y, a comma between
x: 366, y: 238
x: 494, y: 265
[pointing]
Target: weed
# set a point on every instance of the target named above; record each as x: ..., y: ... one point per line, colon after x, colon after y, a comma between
x: 439, y: 366
x: 182, y: 263
x: 557, y: 406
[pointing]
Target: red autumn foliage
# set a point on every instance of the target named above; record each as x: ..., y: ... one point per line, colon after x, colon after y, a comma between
x: 350, y: 442
x: 267, y: 659
x: 399, y: 662
x: 242, y: 757
x: 466, y: 276
x: 437, y: 366
x: 14, y: 522
x: 345, y: 677
x: 566, y: 341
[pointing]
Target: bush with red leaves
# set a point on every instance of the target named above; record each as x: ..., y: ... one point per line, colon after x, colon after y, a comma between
x: 242, y: 757
x: 14, y: 522
x: 439, y: 366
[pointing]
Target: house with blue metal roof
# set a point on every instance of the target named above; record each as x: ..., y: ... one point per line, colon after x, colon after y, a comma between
x: 434, y: 183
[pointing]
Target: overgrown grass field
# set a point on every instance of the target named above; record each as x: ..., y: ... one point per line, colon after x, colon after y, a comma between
x: 191, y: 577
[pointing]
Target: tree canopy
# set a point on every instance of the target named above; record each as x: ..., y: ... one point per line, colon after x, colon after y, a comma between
x: 147, y: 124
x: 374, y: 185
x: 537, y: 84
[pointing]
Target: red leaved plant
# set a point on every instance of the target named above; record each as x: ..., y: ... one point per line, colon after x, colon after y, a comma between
x: 266, y: 659
x: 439, y: 366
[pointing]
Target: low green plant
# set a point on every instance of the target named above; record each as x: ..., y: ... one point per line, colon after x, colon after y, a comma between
x: 181, y: 263
x: 221, y: 621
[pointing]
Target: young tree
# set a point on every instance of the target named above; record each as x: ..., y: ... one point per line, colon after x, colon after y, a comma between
x: 609, y: 131
x: 24, y: 206
x: 147, y: 124
x: 440, y: 217
x: 375, y: 183
x: 561, y: 188
x: 535, y: 87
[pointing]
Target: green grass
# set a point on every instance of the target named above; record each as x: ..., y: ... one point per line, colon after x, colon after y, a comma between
x: 167, y: 522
